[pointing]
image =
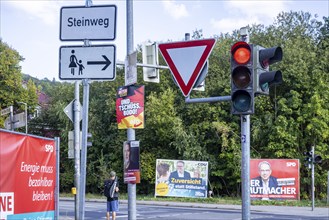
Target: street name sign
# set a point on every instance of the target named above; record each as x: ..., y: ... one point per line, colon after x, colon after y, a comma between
x: 18, y: 121
x: 88, y: 23
x: 6, y: 110
x: 93, y: 62
x: 186, y: 60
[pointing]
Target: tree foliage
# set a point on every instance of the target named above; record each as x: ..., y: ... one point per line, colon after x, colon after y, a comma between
x: 288, y: 122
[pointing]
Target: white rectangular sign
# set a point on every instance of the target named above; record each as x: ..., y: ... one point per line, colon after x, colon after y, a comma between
x: 88, y: 23
x: 81, y: 62
x: 6, y: 110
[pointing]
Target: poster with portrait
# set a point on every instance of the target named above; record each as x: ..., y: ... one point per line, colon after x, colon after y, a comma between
x: 27, y: 176
x: 130, y: 107
x: 274, y: 179
x: 131, y: 163
x: 181, y: 178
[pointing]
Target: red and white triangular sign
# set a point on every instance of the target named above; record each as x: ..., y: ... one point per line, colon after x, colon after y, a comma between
x: 186, y: 60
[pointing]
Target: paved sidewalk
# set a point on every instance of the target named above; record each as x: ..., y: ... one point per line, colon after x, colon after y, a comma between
x: 285, y: 210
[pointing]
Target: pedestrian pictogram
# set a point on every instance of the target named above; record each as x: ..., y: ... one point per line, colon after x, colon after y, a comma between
x: 186, y: 60
x: 94, y: 62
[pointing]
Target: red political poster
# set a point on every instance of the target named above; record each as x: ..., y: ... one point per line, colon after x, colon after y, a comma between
x: 274, y: 179
x: 27, y: 177
x: 130, y: 107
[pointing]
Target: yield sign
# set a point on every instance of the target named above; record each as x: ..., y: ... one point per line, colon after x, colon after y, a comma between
x: 186, y: 60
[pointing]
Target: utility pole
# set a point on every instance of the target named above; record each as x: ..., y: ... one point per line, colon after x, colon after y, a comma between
x: 76, y: 109
x: 130, y: 131
x: 312, y: 167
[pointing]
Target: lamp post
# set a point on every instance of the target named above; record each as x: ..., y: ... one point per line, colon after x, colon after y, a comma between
x: 24, y: 103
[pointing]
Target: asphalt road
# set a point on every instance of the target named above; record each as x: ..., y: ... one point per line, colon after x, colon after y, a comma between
x: 149, y: 210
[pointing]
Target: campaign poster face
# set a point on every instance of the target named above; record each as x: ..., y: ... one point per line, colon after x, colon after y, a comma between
x: 130, y: 107
x: 27, y: 177
x: 131, y: 165
x: 181, y: 178
x: 274, y: 179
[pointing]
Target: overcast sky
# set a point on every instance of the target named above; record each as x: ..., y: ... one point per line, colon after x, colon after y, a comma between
x: 32, y: 27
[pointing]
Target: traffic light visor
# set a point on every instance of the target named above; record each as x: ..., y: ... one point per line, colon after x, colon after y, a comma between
x: 241, y: 52
x: 269, y: 56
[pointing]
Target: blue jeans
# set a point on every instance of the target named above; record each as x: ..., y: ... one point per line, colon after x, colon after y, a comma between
x: 113, y: 206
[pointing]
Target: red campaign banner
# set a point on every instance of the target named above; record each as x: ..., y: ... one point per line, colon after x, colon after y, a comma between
x: 274, y: 179
x: 130, y: 107
x: 27, y: 177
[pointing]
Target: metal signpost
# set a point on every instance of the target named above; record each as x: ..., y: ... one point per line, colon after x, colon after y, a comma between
x: 130, y: 132
x: 84, y: 23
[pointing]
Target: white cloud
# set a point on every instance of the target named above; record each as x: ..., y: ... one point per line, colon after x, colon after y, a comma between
x: 175, y: 9
x: 46, y: 11
x: 243, y: 13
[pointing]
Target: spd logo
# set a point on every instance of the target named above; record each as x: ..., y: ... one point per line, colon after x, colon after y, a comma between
x: 291, y: 164
x: 49, y: 148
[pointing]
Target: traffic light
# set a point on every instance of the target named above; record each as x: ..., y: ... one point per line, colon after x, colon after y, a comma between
x: 308, y: 157
x: 312, y: 158
x: 242, y: 72
x: 150, y: 56
x: 263, y: 77
x: 317, y: 158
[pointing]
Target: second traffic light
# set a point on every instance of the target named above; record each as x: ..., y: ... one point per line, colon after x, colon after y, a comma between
x: 242, y: 75
x: 263, y: 77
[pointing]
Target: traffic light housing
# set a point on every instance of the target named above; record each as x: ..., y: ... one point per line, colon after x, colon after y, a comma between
x: 263, y: 77
x: 150, y: 56
x: 317, y: 158
x: 312, y: 158
x: 308, y: 157
x: 242, y: 74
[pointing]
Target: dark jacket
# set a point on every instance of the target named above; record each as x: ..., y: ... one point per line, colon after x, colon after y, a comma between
x: 175, y: 175
x: 112, y: 184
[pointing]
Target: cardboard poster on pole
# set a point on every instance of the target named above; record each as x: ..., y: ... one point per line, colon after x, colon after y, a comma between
x: 130, y: 107
x: 131, y: 162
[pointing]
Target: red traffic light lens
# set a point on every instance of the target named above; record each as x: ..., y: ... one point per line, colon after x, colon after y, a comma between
x: 242, y: 55
x: 241, y: 52
x: 241, y: 77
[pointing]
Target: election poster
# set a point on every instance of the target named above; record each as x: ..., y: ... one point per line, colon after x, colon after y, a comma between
x: 181, y: 178
x: 27, y: 177
x: 131, y: 165
x: 274, y: 179
x: 130, y: 107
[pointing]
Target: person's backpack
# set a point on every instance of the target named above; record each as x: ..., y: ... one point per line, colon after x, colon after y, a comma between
x: 109, y: 189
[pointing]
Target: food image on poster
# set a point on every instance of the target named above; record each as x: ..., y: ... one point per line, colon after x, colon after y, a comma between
x: 130, y: 107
